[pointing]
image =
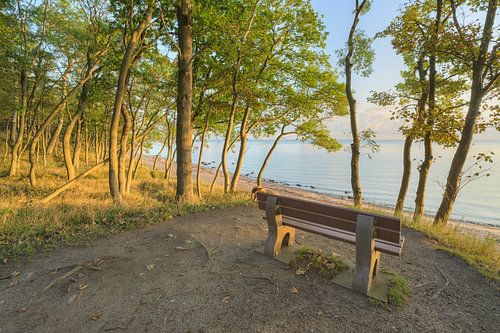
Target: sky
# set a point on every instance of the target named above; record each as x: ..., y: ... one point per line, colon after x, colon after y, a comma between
x: 337, y: 16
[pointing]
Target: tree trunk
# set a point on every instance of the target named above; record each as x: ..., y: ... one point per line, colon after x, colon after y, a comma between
x: 122, y: 170
x: 474, y: 110
x: 139, y: 162
x: 157, y: 157
x: 405, y: 180
x: 97, y: 146
x: 114, y: 186
x: 355, y: 146
x: 200, y: 155
x: 426, y: 164
x: 17, y: 125
x: 78, y: 144
x: 54, y: 140
x: 243, y: 147
x: 184, y: 103
x: 86, y: 154
x: 422, y: 180
x: 268, y: 156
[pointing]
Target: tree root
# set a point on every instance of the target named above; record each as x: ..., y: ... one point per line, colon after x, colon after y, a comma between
x: 440, y: 290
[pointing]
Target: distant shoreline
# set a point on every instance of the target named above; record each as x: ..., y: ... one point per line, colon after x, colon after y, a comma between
x: 246, y: 183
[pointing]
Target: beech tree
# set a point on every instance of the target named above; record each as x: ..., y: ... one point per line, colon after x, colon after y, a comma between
x: 475, y: 46
x: 358, y: 57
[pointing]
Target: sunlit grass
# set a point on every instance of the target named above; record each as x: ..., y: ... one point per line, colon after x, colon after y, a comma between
x: 86, y: 211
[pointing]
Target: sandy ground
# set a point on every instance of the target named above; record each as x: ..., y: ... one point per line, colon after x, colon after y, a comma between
x: 202, y: 273
x: 247, y: 183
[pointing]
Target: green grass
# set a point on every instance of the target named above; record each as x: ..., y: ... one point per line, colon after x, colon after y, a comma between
x: 86, y: 211
x: 479, y: 252
x: 399, y: 290
x: 327, y: 266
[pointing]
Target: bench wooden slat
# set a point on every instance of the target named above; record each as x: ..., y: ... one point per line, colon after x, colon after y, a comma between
x: 333, y: 221
x: 347, y: 214
x: 338, y: 234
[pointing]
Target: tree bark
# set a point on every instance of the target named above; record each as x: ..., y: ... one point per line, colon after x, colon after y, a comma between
x: 428, y: 158
x: 268, y: 156
x: 122, y: 175
x: 114, y: 186
x: 78, y: 144
x: 200, y: 155
x: 405, y: 180
x: 155, y: 162
x: 184, y: 190
x: 474, y: 110
x: 355, y: 146
x: 54, y: 139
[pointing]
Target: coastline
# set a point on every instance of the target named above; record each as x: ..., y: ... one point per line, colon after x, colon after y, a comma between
x: 247, y: 183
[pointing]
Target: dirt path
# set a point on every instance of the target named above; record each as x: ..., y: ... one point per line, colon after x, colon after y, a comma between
x: 201, y: 273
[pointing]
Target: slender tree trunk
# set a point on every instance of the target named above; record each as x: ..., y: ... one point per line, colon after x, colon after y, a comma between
x: 426, y: 164
x: 122, y: 170
x: 355, y: 146
x: 17, y: 125
x: 184, y: 103
x: 114, y: 186
x: 54, y: 140
x: 405, y: 180
x: 474, y: 110
x: 157, y: 157
x: 268, y: 156
x: 86, y: 154
x: 97, y: 146
x: 78, y: 144
x: 44, y: 149
x: 422, y: 179
x: 139, y: 161
x: 243, y: 147
x: 200, y: 155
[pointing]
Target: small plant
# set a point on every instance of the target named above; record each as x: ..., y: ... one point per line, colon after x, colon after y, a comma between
x: 399, y: 290
x: 309, y: 260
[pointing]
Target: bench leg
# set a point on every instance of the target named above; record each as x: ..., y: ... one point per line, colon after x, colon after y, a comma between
x: 278, y: 234
x: 367, y: 259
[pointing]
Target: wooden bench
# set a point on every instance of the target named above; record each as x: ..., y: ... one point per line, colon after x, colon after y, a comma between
x: 371, y: 233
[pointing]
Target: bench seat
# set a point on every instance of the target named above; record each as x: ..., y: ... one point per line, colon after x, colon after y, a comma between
x: 372, y: 234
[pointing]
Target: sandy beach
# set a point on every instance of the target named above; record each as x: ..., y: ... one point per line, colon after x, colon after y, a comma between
x: 247, y: 183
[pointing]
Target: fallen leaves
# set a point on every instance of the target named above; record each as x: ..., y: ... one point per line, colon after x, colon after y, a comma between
x: 300, y: 271
x: 294, y: 290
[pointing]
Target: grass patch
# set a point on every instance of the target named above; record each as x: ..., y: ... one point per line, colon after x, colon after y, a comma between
x: 399, y: 290
x: 311, y: 261
x: 479, y: 252
x: 86, y: 211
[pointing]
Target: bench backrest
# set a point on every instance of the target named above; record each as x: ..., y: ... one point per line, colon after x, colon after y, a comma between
x: 388, y: 228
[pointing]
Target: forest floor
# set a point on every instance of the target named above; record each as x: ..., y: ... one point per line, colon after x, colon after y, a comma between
x: 149, y: 267
x: 203, y: 273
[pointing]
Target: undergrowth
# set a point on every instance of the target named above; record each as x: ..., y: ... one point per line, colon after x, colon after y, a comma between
x: 86, y: 211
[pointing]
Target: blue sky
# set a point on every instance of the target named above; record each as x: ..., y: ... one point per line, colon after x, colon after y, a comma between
x: 337, y: 16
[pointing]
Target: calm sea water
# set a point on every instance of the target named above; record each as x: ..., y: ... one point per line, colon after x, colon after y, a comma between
x: 303, y: 165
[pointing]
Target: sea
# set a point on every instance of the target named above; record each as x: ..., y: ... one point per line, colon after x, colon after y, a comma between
x: 302, y: 165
